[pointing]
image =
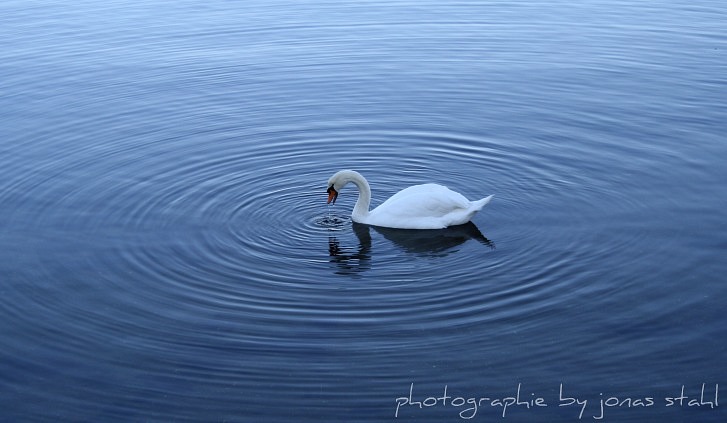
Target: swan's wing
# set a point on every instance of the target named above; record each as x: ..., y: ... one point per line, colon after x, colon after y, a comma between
x: 427, y: 200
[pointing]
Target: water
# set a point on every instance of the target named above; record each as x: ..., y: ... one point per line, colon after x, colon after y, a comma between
x: 167, y: 254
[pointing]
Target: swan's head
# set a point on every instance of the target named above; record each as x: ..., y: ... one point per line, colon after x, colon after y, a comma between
x: 339, y: 180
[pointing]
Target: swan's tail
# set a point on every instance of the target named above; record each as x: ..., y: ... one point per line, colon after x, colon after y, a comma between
x: 482, y: 203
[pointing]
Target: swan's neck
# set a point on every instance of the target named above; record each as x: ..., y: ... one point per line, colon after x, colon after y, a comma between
x: 361, y: 209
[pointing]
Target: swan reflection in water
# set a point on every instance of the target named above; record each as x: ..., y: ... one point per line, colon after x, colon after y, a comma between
x: 350, y: 262
x: 427, y: 243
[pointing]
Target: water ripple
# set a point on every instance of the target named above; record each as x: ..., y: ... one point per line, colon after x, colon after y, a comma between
x: 227, y: 224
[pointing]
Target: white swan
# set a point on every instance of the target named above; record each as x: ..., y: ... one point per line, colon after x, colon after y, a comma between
x: 427, y: 206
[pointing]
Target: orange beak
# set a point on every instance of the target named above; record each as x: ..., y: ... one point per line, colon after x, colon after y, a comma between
x: 332, y: 195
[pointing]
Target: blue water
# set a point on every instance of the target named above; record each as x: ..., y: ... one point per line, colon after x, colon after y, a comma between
x: 166, y: 253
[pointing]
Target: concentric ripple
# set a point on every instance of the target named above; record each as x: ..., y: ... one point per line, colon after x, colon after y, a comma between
x: 226, y: 224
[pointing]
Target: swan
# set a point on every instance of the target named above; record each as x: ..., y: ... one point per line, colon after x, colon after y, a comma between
x: 427, y: 206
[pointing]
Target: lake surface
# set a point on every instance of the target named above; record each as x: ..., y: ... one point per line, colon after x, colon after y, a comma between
x: 166, y: 252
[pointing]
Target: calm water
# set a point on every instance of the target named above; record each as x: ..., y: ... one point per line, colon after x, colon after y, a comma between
x: 166, y: 253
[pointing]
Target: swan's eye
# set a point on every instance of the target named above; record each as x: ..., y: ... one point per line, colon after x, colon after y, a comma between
x: 332, y: 195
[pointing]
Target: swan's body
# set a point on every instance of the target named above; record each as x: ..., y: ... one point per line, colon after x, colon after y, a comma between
x: 427, y: 206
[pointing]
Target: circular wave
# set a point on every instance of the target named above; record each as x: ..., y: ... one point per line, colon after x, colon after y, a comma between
x: 236, y: 224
